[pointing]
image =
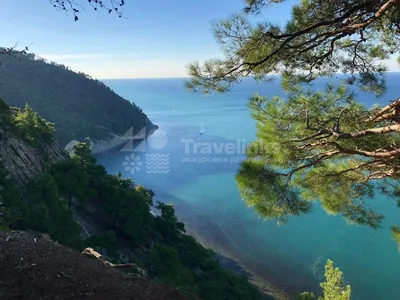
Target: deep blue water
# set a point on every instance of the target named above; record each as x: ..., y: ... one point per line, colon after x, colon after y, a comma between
x: 202, y: 187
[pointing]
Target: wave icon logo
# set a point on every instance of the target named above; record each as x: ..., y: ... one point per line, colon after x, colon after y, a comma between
x: 157, y: 163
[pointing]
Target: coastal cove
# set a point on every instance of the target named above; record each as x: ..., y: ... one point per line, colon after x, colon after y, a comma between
x: 200, y: 150
x: 207, y: 200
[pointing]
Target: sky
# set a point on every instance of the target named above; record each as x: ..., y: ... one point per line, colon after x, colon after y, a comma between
x: 156, y: 39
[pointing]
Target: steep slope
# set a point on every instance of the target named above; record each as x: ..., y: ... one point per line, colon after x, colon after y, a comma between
x: 34, y: 267
x: 54, y: 193
x: 26, y: 152
x: 80, y: 106
x: 24, y: 161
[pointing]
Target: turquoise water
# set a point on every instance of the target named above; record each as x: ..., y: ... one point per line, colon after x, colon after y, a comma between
x: 206, y: 198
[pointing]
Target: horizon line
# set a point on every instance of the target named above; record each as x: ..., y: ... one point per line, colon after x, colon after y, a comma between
x: 131, y: 78
x: 188, y: 77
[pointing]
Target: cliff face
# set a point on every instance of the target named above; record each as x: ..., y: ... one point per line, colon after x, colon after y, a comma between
x: 24, y: 161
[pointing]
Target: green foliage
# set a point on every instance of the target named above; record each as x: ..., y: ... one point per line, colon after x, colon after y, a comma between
x: 31, y: 127
x: 10, y: 199
x: 40, y: 206
x: 71, y: 180
x: 26, y: 124
x: 158, y: 243
x: 167, y: 224
x: 79, y: 105
x: 145, y: 193
x: 43, y: 210
x: 267, y: 193
x: 83, y: 156
x: 306, y: 296
x: 5, y: 116
x: 320, y: 38
x: 396, y: 234
x: 291, y: 163
x: 164, y: 263
x: 333, y: 288
x: 313, y: 145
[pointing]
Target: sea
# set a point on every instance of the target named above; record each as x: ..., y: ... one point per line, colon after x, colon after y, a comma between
x: 191, y: 161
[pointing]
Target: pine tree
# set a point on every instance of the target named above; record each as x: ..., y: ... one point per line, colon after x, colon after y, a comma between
x: 333, y: 288
x: 314, y: 145
x: 10, y: 199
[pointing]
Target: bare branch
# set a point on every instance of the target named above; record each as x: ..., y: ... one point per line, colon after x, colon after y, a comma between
x: 313, y: 163
x: 114, y: 6
x: 289, y: 50
x: 383, y: 115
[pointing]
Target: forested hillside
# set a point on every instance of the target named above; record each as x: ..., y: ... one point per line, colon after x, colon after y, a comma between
x: 63, y: 193
x: 79, y: 105
x: 78, y: 188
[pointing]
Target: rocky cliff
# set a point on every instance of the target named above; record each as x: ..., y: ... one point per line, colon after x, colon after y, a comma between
x: 24, y: 161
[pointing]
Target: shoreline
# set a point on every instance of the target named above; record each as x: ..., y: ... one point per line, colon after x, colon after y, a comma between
x: 117, y: 143
x: 234, y: 265
x: 227, y: 260
x: 122, y: 142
